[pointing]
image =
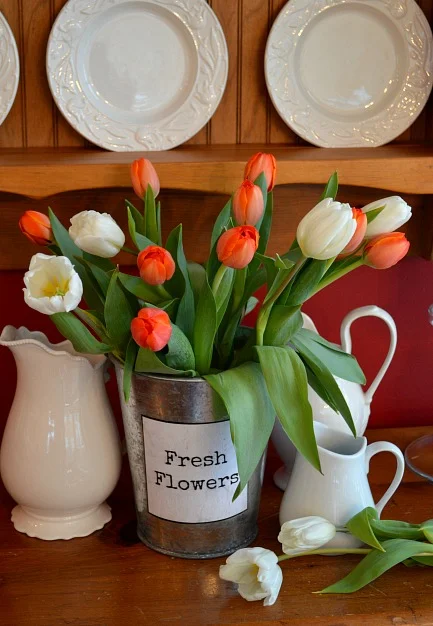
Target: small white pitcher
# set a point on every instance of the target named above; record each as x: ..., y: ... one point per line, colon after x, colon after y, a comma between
x: 60, y: 454
x: 342, y: 490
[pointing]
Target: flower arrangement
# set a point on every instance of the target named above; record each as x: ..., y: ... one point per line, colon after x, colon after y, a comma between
x: 185, y: 319
x: 258, y: 574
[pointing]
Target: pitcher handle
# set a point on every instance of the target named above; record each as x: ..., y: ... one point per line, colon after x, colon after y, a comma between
x: 346, y: 341
x: 386, y: 446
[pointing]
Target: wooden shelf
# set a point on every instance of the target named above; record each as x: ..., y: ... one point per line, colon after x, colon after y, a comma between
x: 39, y: 173
x: 111, y: 578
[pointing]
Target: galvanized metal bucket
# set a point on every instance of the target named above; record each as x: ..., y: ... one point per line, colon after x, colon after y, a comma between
x: 184, y: 469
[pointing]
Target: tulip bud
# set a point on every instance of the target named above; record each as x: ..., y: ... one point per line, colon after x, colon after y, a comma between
x: 305, y: 533
x: 96, y: 233
x: 36, y: 227
x: 326, y: 230
x: 261, y: 162
x: 236, y: 247
x: 386, y: 250
x: 143, y: 174
x: 396, y: 213
x: 156, y: 265
x: 151, y: 329
x: 359, y: 234
x: 248, y: 204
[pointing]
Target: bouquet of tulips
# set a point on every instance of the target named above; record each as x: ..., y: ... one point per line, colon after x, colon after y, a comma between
x: 179, y: 318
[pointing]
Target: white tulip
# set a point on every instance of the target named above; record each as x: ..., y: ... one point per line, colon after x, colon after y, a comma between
x: 52, y: 285
x: 396, y: 213
x: 257, y: 573
x: 326, y: 230
x: 305, y: 533
x: 96, y: 233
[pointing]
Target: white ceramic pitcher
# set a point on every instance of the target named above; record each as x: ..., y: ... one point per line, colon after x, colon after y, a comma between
x: 60, y: 454
x: 342, y: 490
x: 357, y: 400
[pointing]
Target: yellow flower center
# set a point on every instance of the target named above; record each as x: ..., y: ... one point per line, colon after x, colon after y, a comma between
x: 56, y: 287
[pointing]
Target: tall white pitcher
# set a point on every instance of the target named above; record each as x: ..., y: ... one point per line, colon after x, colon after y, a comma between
x: 60, y: 454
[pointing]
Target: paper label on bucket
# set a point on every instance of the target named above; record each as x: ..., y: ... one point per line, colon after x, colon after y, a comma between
x: 191, y: 471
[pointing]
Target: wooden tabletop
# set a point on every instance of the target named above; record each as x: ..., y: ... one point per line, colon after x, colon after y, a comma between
x: 110, y: 578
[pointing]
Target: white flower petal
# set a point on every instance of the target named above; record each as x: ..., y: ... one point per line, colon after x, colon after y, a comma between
x: 96, y: 233
x: 52, y: 285
x: 396, y: 213
x: 257, y: 573
x: 326, y: 230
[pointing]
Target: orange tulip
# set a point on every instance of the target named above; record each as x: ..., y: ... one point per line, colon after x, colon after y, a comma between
x: 359, y: 234
x: 236, y: 247
x: 385, y: 251
x: 143, y: 174
x: 248, y: 204
x: 36, y: 227
x: 151, y: 329
x: 156, y: 265
x: 262, y: 162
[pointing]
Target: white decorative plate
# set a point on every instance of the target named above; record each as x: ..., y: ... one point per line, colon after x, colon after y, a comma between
x: 137, y: 74
x: 9, y: 68
x: 348, y: 73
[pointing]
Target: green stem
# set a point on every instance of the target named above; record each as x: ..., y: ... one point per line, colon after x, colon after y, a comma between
x: 129, y: 250
x: 218, y: 278
x: 162, y: 292
x: 284, y: 557
x: 338, y: 551
x: 336, y: 275
x: 265, y: 311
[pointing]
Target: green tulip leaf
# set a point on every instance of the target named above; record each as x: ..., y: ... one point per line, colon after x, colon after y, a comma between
x: 371, y: 215
x: 136, y: 286
x: 340, y: 363
x: 72, y: 252
x: 360, y: 526
x: 92, y: 320
x: 141, y: 241
x: 81, y: 338
x: 223, y: 292
x: 331, y: 187
x: 283, y: 323
x: 305, y: 282
x: 377, y: 563
x: 101, y: 276
x: 205, y: 329
x: 325, y: 376
x: 197, y: 276
x: 150, y: 216
x: 138, y: 218
x: 150, y: 363
x: 393, y: 529
x: 180, y: 285
x: 180, y: 355
x: 128, y: 368
x: 286, y: 382
x: 252, y: 417
x: 119, y: 312
x: 427, y: 530
x: 251, y: 305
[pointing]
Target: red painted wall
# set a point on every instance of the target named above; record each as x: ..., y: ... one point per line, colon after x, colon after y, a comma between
x: 405, y: 291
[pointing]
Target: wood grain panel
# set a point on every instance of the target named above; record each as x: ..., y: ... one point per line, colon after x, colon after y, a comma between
x: 12, y: 131
x: 278, y: 130
x: 196, y: 211
x: 245, y: 115
x: 254, y: 101
x: 36, y: 17
x: 224, y: 123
